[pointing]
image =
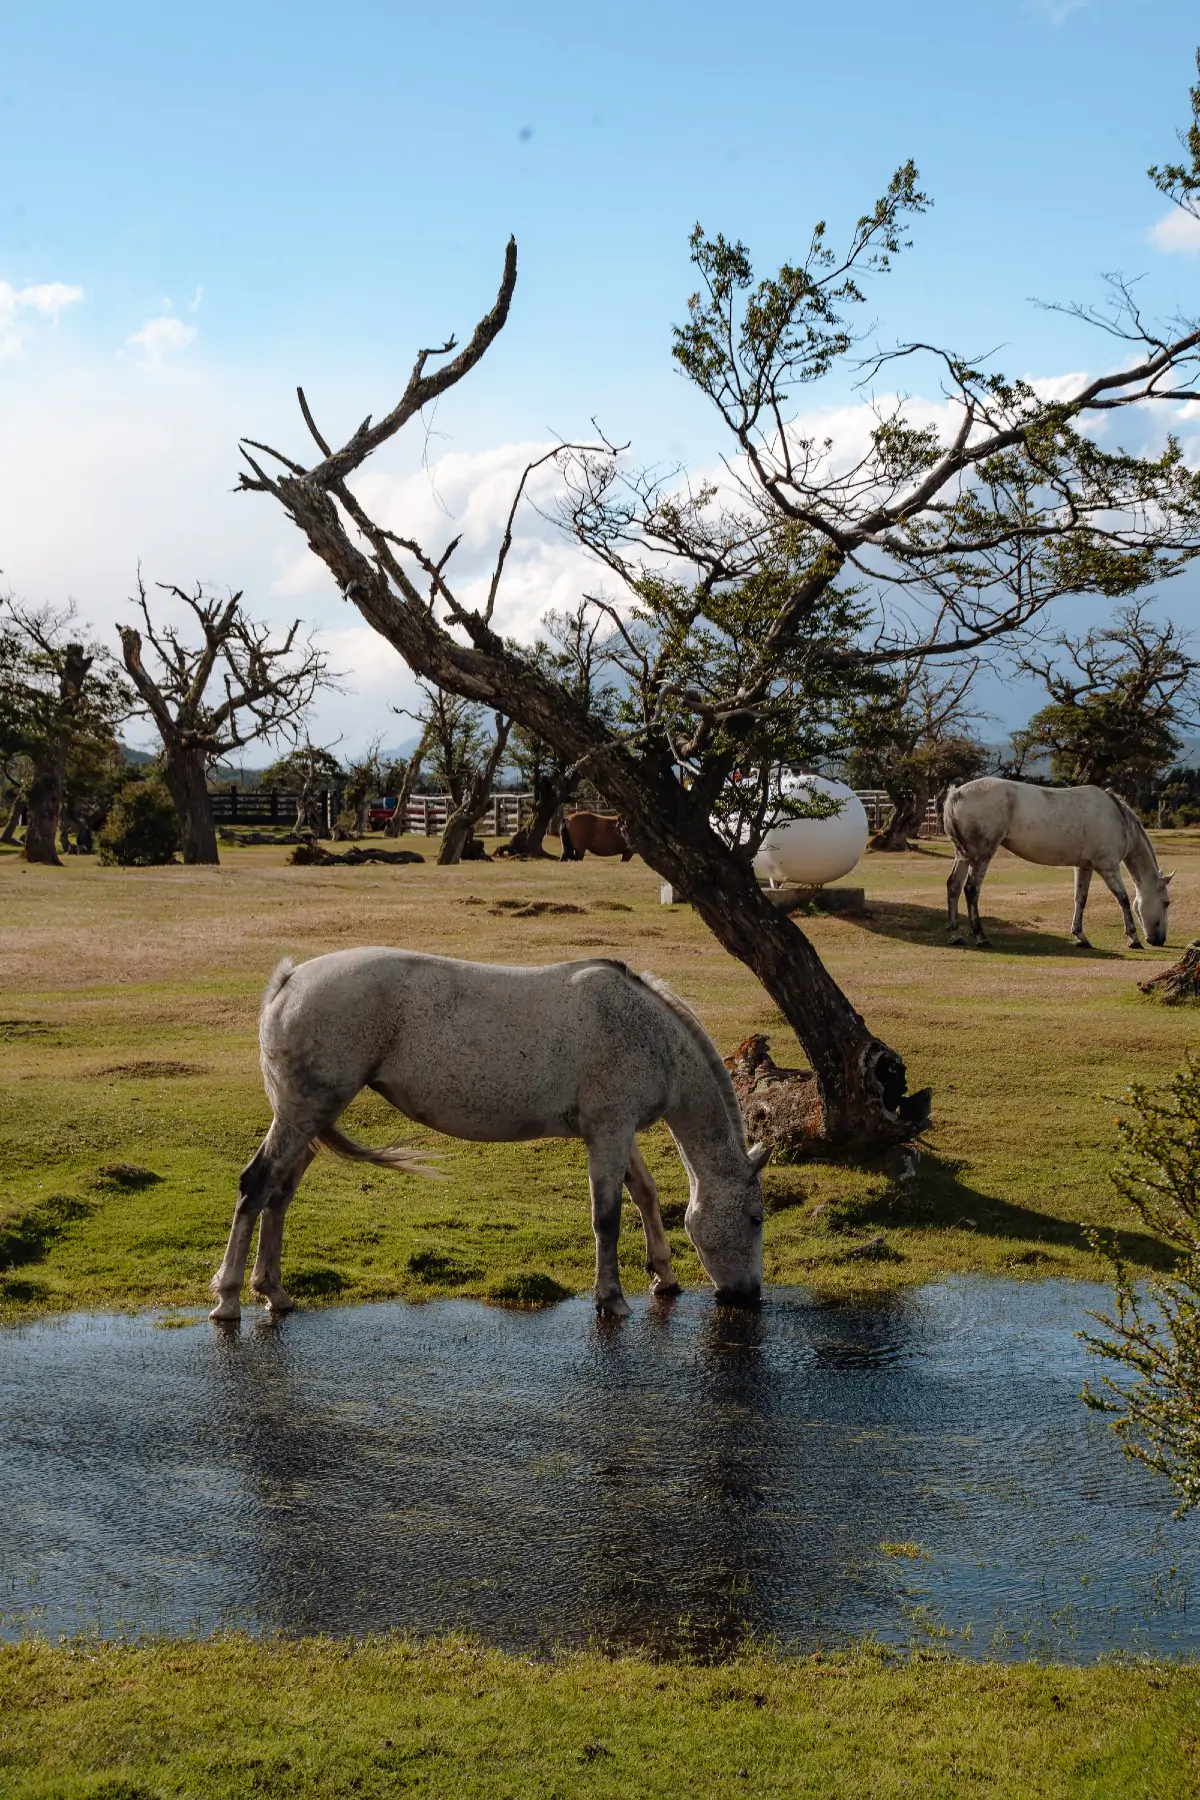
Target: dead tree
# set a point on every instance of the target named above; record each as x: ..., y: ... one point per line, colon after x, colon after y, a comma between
x: 266, y: 688
x: 777, y: 597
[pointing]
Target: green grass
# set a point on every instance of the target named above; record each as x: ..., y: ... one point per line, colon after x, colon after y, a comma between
x: 127, y: 1036
x: 234, y: 1717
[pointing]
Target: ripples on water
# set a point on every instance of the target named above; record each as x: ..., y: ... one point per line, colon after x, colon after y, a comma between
x: 686, y: 1480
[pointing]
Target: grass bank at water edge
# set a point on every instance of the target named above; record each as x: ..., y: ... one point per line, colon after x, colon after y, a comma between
x: 235, y: 1717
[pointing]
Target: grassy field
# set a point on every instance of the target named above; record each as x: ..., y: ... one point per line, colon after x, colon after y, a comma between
x: 131, y: 1093
x: 231, y: 1718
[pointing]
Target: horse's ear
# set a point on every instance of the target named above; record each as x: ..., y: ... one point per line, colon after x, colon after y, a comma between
x: 760, y: 1156
x: 1168, y: 879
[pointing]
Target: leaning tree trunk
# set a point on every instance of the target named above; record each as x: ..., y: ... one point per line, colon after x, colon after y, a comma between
x: 863, y: 1098
x: 547, y: 799
x: 908, y: 815
x: 460, y: 826
x: 14, y: 819
x: 187, y: 780
x: 412, y: 772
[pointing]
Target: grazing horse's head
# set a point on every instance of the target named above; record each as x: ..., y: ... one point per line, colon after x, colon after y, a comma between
x: 1151, y: 899
x: 724, y: 1221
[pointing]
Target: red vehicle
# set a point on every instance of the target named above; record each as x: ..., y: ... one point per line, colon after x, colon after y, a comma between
x: 380, y: 812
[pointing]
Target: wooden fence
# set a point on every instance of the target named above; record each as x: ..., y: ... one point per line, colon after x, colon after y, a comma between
x: 425, y: 814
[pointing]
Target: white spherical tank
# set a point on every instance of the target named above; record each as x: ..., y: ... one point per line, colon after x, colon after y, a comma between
x: 811, y: 852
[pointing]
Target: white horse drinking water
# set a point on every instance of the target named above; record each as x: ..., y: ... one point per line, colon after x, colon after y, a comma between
x: 1087, y: 827
x: 581, y: 1049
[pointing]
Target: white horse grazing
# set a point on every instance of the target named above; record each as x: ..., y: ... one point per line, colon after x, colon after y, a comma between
x: 1089, y: 827
x: 580, y: 1049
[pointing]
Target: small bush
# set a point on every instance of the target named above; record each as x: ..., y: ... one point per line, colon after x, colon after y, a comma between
x: 316, y: 1283
x: 142, y: 829
x: 1155, y: 1325
x: 529, y: 1290
x: 437, y: 1270
x: 25, y: 1236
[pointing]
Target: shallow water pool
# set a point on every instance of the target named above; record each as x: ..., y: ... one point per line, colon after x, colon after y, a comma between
x: 683, y: 1480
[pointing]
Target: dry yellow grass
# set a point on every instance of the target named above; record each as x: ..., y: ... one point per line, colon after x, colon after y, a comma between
x: 127, y: 1035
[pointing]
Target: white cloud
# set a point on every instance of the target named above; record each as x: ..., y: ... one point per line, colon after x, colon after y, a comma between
x: 196, y: 300
x: 45, y: 299
x: 158, y: 336
x: 1177, y: 231
x: 1057, y: 10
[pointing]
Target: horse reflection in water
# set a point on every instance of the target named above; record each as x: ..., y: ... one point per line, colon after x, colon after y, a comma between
x: 581, y: 1049
x: 682, y: 1488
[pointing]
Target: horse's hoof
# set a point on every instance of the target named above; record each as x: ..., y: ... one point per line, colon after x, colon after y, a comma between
x: 280, y: 1303
x: 226, y: 1312
x: 958, y: 943
x: 983, y: 943
x: 1082, y: 943
x: 665, y: 1290
x: 613, y: 1309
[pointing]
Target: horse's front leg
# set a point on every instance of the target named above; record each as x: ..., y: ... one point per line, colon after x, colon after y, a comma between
x: 644, y: 1195
x: 1116, y: 887
x: 1083, y: 881
x: 608, y: 1159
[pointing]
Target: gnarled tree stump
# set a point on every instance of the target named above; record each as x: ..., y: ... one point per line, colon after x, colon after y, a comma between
x: 781, y: 1107
x: 1179, y: 983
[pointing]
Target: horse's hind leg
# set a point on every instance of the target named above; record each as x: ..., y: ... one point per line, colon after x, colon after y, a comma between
x: 979, y: 868
x: 954, y: 887
x: 608, y: 1159
x: 269, y: 1177
x: 644, y: 1195
x: 1083, y: 881
x: 266, y: 1277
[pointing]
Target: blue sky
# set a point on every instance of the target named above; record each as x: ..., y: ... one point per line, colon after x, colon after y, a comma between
x: 250, y: 196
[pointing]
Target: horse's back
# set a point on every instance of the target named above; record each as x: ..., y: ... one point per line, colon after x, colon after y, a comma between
x: 478, y: 1050
x: 1058, y: 827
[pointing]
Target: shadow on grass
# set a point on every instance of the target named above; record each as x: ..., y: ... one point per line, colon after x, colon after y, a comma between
x: 941, y: 1200
x: 927, y: 925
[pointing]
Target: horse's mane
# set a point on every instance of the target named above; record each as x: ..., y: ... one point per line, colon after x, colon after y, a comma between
x: 704, y: 1043
x: 1140, y: 834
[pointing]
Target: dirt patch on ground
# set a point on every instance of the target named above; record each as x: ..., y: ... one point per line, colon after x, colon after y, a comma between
x: 150, y: 1070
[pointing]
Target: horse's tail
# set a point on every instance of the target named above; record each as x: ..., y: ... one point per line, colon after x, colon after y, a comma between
x: 281, y: 974
x: 394, y: 1156
x: 564, y: 833
x: 952, y: 793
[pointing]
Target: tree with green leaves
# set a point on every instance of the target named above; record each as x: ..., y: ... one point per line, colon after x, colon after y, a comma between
x: 1154, y: 1328
x: 913, y: 741
x: 742, y: 606
x: 1118, y: 697
x: 61, y: 700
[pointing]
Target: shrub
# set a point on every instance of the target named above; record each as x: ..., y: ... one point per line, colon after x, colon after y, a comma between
x: 1156, y: 1324
x: 142, y: 829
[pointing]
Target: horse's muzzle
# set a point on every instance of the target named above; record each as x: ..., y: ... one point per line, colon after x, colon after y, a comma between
x: 739, y: 1296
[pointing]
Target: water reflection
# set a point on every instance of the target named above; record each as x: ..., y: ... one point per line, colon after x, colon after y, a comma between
x: 694, y: 1477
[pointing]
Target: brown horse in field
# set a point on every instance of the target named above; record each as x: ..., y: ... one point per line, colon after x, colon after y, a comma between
x: 601, y: 833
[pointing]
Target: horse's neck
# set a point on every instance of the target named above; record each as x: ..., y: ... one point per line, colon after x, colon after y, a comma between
x: 1139, y: 857
x: 709, y: 1137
